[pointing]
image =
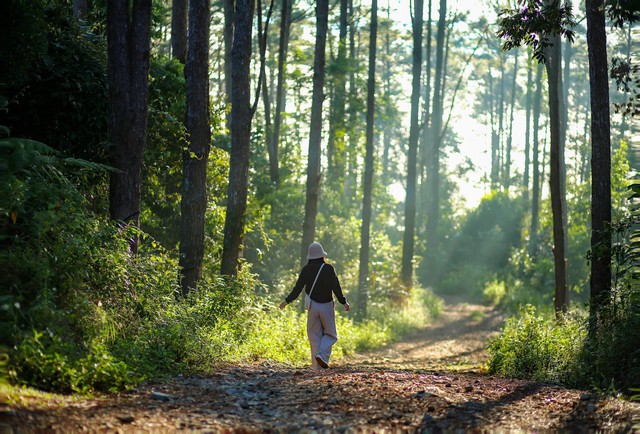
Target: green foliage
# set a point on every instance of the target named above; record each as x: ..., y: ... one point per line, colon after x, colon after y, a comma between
x: 608, y: 357
x: 533, y: 23
x: 57, y: 87
x: 493, y: 229
x: 46, y: 361
x: 85, y: 315
x: 494, y: 292
x: 534, y: 345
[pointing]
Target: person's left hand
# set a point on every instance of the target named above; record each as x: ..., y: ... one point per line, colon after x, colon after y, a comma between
x: 347, y: 307
x: 283, y: 305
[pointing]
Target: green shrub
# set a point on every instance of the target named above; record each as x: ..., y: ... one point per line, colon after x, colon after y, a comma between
x: 46, y: 361
x: 534, y: 345
x: 494, y: 292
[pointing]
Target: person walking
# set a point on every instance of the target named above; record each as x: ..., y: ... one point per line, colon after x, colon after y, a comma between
x: 321, y: 282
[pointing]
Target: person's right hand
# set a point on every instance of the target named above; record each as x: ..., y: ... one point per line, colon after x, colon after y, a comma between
x: 283, y: 305
x: 347, y: 307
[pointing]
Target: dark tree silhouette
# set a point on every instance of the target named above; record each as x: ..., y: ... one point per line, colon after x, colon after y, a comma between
x: 194, y: 186
x: 179, y: 10
x: 600, y: 158
x: 240, y: 138
x: 315, y: 133
x: 363, y: 274
x: 128, y: 46
x: 414, y: 133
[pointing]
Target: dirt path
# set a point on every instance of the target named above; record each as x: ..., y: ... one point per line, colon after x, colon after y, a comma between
x: 432, y: 381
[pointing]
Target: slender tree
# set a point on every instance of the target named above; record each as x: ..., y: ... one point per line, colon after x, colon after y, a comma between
x: 195, y: 157
x: 558, y: 204
x: 179, y: 30
x: 283, y: 44
x: 507, y: 159
x: 363, y: 275
x: 541, y: 28
x: 387, y: 99
x: 353, y: 115
x: 425, y: 137
x: 315, y: 132
x: 414, y: 132
x: 240, y: 138
x: 337, y: 121
x: 535, y: 189
x: 433, y: 171
x: 229, y: 12
x: 128, y: 46
x: 600, y: 159
x: 527, y: 133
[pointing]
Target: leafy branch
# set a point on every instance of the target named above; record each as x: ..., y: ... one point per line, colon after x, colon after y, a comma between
x: 533, y: 23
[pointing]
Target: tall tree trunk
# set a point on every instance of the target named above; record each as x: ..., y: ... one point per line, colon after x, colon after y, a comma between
x: 433, y: 171
x: 196, y: 156
x: 179, y: 30
x: 262, y: 85
x: 80, y: 9
x: 507, y: 159
x: 495, y: 139
x: 315, y: 131
x: 229, y: 7
x: 387, y: 100
x: 351, y: 152
x: 336, y: 142
x: 535, y: 192
x: 426, y: 130
x: 283, y: 44
x: 414, y: 131
x: 600, y: 160
x: 501, y: 104
x: 128, y: 46
x: 240, y: 138
x: 363, y: 274
x: 527, y: 133
x: 552, y: 64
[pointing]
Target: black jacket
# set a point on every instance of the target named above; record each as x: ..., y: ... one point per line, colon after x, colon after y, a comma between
x: 327, y: 283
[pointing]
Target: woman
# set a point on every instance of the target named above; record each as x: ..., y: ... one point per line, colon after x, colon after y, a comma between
x: 321, y: 281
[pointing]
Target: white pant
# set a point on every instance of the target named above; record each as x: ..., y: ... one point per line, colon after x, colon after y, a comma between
x: 321, y: 329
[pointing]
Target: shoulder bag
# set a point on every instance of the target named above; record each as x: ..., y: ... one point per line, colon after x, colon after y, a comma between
x: 307, y: 297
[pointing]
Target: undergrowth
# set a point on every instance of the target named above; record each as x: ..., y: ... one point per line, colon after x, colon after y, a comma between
x: 81, y: 314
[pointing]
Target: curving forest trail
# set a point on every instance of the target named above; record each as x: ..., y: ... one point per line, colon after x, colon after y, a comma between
x: 432, y: 381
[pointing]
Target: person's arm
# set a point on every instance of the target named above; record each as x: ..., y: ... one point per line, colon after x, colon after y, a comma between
x: 337, y: 290
x: 297, y: 289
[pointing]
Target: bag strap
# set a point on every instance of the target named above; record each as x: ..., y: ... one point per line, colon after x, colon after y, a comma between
x: 314, y: 282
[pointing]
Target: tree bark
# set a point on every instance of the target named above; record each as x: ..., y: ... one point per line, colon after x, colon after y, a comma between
x: 337, y: 127
x: 179, y: 30
x: 414, y: 131
x: 500, y: 137
x: 240, y: 138
x: 128, y: 47
x: 363, y: 275
x: 229, y: 6
x: 507, y: 159
x: 527, y: 134
x: 195, y: 157
x: 283, y: 44
x: 600, y: 284
x: 553, y: 59
x: 387, y: 100
x: 426, y: 126
x: 535, y: 191
x: 433, y: 171
x: 315, y: 133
